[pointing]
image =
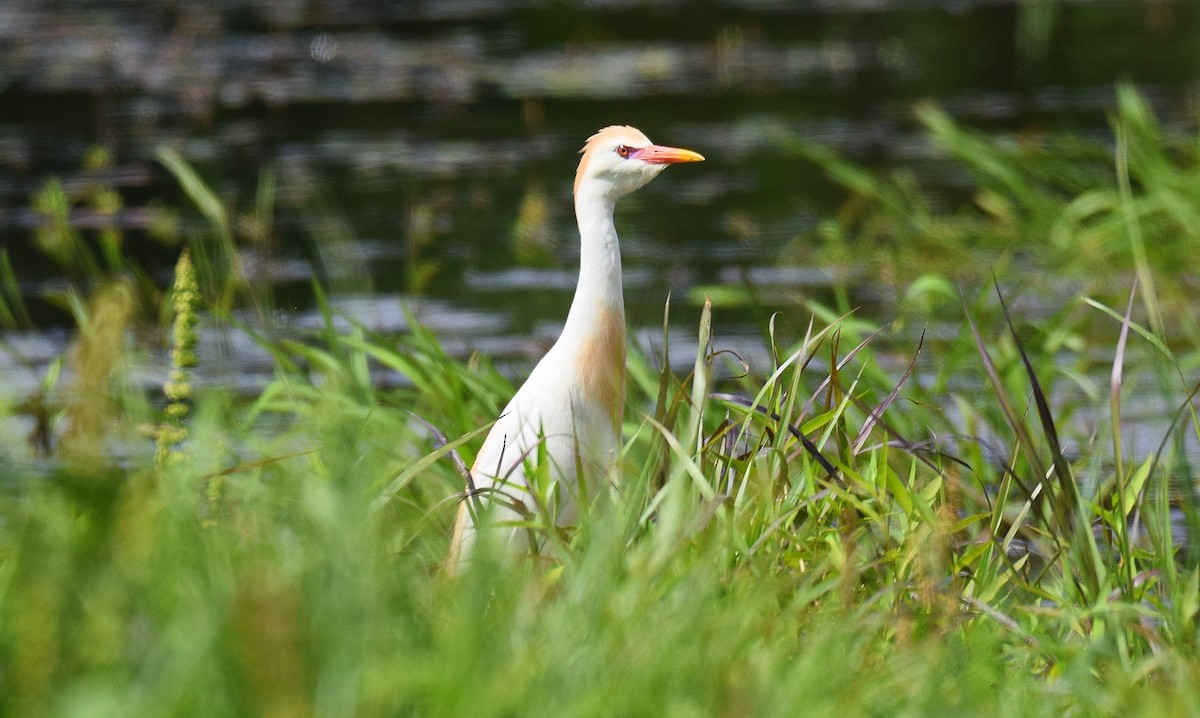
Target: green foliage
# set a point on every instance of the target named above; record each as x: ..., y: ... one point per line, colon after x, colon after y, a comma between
x: 791, y: 549
x: 871, y: 526
x: 1039, y: 208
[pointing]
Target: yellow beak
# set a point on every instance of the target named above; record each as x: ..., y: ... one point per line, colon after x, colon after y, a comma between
x: 659, y: 155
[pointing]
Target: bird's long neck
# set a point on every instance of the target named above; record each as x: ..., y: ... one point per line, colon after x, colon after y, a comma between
x: 593, y: 339
x: 598, y: 294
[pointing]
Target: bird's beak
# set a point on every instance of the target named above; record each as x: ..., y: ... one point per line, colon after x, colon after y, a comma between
x: 659, y: 155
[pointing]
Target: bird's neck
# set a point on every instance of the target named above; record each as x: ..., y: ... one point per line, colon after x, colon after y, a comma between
x: 598, y: 296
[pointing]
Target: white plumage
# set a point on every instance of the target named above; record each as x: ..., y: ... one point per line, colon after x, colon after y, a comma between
x: 569, y: 409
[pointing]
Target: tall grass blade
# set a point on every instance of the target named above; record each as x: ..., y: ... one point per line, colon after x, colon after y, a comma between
x: 440, y: 437
x: 692, y: 435
x: 13, y: 312
x: 1067, y: 504
x: 195, y: 188
x: 1118, y: 369
x: 1137, y: 242
x: 1062, y: 469
x: 1127, y: 487
x: 877, y: 413
x: 1014, y: 421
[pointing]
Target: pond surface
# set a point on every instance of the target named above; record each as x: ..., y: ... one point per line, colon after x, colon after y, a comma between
x: 425, y: 150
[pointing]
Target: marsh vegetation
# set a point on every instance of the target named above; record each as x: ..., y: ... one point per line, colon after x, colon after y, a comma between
x: 985, y: 505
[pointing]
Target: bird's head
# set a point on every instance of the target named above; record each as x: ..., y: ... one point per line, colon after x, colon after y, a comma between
x: 620, y: 159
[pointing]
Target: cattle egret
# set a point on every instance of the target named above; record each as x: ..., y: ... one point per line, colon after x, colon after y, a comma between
x: 568, y: 412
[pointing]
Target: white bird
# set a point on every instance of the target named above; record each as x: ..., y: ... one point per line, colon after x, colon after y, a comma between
x: 568, y: 412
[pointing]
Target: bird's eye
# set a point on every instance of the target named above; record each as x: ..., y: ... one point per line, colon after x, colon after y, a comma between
x: 624, y: 151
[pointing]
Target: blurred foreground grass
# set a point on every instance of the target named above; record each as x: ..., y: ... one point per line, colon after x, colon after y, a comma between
x: 974, y: 534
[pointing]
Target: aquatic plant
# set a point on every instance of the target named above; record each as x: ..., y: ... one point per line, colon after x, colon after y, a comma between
x: 185, y: 301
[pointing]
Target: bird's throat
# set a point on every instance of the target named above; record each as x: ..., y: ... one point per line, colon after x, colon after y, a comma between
x: 599, y: 288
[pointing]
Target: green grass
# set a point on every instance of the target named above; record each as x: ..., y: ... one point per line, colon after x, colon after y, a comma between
x: 873, y: 526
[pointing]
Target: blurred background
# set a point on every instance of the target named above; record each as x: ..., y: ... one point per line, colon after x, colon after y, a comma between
x: 420, y: 154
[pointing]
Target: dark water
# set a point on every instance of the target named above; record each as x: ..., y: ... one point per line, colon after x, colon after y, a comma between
x: 426, y: 149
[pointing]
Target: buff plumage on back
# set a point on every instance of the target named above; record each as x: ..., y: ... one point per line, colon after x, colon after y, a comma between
x: 628, y: 135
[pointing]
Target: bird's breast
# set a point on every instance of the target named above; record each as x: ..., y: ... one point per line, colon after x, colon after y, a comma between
x: 600, y: 364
